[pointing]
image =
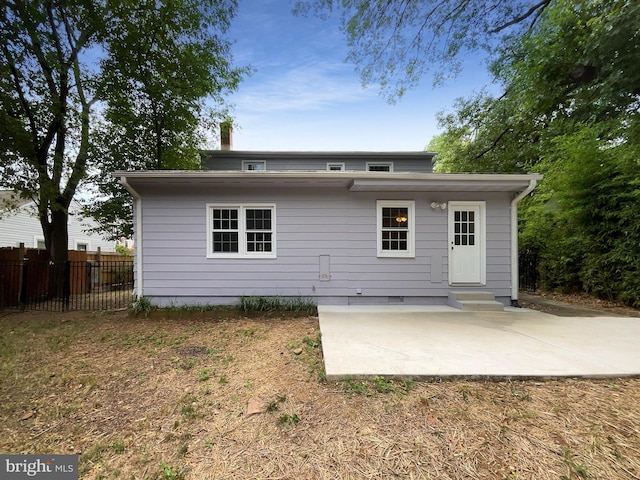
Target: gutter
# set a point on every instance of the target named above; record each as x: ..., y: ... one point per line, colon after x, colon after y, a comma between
x: 515, y: 274
x: 138, y: 289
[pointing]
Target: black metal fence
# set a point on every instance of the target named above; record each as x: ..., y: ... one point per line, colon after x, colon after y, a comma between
x: 71, y: 285
x: 528, y: 269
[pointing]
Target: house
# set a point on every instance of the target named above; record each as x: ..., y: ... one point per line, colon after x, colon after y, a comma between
x: 19, y: 224
x: 335, y: 227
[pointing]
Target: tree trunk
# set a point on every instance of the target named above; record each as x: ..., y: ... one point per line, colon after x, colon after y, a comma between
x: 59, y: 254
x: 59, y: 236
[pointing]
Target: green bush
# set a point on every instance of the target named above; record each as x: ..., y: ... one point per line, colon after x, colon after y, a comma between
x: 296, y: 305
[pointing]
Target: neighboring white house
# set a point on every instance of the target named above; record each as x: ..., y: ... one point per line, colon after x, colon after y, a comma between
x: 19, y: 224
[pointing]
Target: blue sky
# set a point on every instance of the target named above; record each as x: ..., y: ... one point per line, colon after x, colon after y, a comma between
x: 303, y: 96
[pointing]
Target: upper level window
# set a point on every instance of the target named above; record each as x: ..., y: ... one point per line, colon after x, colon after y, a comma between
x: 379, y: 166
x: 396, y: 231
x: 82, y: 246
x: 336, y: 166
x: 258, y: 166
x: 241, y: 231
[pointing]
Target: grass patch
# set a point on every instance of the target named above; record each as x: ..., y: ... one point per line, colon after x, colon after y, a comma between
x: 167, y: 472
x: 352, y: 387
x: 142, y: 305
x: 294, y: 305
x: 274, y: 405
x: 288, y: 420
x: 205, y: 374
x: 272, y: 305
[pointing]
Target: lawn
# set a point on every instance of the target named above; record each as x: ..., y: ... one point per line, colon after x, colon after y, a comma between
x: 166, y: 397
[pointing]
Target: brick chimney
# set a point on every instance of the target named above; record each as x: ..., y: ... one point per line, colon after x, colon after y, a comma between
x: 226, y: 135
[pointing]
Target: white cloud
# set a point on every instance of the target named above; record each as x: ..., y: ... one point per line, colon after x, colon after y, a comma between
x: 302, y: 87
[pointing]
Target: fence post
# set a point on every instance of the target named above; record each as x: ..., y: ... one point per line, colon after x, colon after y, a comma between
x: 66, y: 288
x: 24, y: 283
x: 22, y: 276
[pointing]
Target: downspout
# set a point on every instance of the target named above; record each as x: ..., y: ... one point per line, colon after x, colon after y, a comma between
x: 515, y: 274
x: 139, y: 288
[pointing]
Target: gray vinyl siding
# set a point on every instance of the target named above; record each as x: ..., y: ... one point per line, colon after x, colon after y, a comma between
x: 288, y: 162
x: 309, y: 224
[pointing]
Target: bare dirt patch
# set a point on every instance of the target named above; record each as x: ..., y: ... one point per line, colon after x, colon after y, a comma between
x: 166, y: 397
x: 574, y: 305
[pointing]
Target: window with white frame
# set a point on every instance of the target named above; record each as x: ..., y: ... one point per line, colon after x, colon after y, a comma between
x: 335, y: 166
x: 241, y: 231
x: 396, y: 231
x: 257, y: 166
x: 380, y: 166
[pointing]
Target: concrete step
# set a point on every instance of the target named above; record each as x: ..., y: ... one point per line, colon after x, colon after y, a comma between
x: 474, y: 301
x: 480, y: 306
x: 457, y: 295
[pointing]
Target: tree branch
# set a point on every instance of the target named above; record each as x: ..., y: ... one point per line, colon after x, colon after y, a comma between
x: 540, y: 6
x: 494, y: 144
x: 26, y: 107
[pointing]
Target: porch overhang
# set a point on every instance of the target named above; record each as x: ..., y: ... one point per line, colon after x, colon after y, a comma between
x: 446, y: 183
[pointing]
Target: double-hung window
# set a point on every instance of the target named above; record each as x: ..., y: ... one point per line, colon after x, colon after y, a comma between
x: 379, y: 166
x: 396, y: 228
x: 257, y: 166
x: 241, y: 231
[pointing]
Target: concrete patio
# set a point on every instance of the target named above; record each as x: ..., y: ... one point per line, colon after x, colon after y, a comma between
x: 440, y: 341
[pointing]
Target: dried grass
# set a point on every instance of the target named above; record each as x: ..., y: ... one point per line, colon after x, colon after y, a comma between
x: 125, y: 394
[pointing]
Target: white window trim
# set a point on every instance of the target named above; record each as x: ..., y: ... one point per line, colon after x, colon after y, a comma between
x: 410, y: 205
x: 37, y: 239
x: 380, y: 164
x: 340, y: 165
x: 81, y: 242
x: 242, y: 238
x: 246, y: 163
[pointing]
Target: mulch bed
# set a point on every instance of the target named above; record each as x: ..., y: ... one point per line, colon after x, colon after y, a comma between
x: 166, y: 397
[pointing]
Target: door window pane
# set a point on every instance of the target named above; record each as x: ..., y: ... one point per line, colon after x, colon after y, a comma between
x: 464, y: 227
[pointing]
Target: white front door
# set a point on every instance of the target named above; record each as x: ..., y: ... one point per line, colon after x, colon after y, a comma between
x: 467, y: 252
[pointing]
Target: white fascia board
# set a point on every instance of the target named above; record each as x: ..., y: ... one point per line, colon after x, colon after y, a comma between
x: 357, y: 176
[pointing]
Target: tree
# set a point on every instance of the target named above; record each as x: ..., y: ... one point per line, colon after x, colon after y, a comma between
x: 396, y: 42
x: 156, y: 112
x: 578, y: 65
x: 60, y: 62
x: 570, y: 111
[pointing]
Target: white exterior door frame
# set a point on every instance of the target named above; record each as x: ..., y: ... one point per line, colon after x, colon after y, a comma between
x: 467, y: 243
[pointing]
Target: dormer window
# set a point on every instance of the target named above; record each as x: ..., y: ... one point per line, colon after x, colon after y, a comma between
x: 254, y: 166
x: 379, y: 167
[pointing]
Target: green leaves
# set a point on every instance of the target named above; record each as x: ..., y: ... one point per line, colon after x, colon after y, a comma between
x: 569, y: 111
x: 165, y: 64
x: 395, y: 43
x: 89, y: 87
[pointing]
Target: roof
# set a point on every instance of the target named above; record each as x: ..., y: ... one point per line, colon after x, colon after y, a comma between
x: 10, y: 200
x: 355, y: 181
x: 310, y: 156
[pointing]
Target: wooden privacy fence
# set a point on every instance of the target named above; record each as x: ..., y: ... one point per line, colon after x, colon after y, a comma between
x: 87, y: 281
